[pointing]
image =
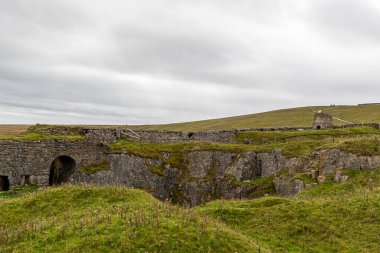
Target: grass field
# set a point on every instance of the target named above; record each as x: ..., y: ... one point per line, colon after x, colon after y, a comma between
x: 329, y: 218
x: 32, y: 133
x: 15, y: 129
x: 359, y: 140
x: 9, y: 130
x: 293, y: 117
x: 109, y: 219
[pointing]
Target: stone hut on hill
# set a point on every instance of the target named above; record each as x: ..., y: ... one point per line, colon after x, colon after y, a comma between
x: 322, y: 120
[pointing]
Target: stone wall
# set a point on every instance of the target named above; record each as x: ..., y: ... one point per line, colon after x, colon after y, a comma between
x: 104, y: 135
x: 201, y: 176
x: 219, y: 136
x: 173, y: 136
x: 109, y: 135
x: 34, y: 158
x: 374, y: 125
x: 368, y: 104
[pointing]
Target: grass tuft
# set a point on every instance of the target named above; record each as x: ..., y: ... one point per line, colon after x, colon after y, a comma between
x: 93, y: 168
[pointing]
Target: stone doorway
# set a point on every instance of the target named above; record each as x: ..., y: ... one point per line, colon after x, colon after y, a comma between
x: 61, y: 169
x: 4, y: 183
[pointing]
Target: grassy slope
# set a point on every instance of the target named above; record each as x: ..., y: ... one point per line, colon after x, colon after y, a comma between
x: 329, y: 218
x: 293, y: 117
x: 9, y: 129
x: 33, y: 133
x: 360, y: 140
x: 109, y: 219
x: 15, y: 129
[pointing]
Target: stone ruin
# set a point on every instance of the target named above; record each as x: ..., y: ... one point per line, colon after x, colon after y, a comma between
x: 202, y: 176
x: 322, y: 121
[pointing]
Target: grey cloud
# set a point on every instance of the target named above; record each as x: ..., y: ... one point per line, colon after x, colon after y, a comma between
x: 41, y: 15
x: 140, y: 62
x: 348, y: 21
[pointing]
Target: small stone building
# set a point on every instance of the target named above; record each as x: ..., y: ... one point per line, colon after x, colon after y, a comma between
x: 322, y: 120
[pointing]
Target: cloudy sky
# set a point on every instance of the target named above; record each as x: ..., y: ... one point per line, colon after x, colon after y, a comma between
x: 149, y: 61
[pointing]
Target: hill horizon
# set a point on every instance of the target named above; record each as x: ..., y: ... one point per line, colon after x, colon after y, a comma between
x: 287, y: 117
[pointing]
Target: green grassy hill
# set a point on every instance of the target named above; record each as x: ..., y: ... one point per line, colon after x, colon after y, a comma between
x: 108, y: 219
x: 357, y: 140
x: 293, y: 117
x: 329, y: 218
x: 332, y: 217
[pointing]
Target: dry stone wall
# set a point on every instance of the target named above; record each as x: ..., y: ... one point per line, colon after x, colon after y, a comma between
x: 109, y: 135
x: 219, y: 136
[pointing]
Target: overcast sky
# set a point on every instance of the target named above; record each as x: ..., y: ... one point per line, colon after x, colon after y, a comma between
x: 150, y: 61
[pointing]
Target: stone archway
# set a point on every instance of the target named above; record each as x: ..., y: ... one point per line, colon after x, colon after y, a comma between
x: 61, y: 169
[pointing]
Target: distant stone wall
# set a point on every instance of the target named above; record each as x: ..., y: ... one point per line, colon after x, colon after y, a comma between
x: 109, y: 135
x: 172, y: 136
x: 106, y: 135
x: 61, y: 130
x: 218, y: 136
x: 374, y: 125
x: 368, y: 104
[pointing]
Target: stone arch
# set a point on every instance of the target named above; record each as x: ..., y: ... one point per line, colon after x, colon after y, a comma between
x: 4, y: 183
x: 318, y: 127
x: 61, y: 169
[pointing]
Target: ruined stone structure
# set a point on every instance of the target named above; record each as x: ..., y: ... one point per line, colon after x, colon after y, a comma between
x: 322, y: 121
x: 200, y: 176
x: 23, y: 162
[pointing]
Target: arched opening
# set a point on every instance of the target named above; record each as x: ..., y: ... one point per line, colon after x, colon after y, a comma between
x: 61, y: 169
x: 4, y: 183
x: 189, y: 135
x: 27, y: 180
x: 318, y: 127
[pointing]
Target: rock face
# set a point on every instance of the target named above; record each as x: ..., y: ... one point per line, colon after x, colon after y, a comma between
x: 287, y: 186
x: 207, y: 175
x: 318, y: 165
x: 270, y: 163
x: 199, y: 176
x: 332, y: 159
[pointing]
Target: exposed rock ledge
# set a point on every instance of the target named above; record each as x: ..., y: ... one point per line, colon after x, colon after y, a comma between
x: 205, y: 175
